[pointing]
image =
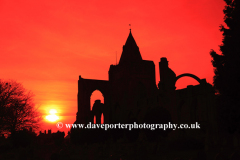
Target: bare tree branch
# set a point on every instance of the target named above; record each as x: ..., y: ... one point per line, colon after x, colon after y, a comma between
x: 17, y: 110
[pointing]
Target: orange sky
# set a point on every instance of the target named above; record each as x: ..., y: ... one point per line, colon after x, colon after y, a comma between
x: 46, y: 45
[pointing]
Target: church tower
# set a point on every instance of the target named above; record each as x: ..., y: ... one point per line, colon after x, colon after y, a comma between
x: 132, y: 82
x: 130, y: 53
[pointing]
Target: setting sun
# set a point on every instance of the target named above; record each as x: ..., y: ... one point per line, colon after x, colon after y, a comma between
x: 52, y: 117
x: 53, y: 111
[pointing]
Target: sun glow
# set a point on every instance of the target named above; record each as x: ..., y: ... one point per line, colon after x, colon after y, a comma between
x: 52, y: 117
x: 53, y: 111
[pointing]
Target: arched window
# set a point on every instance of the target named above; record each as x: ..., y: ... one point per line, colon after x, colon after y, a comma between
x: 94, y: 119
x: 102, y: 118
x: 185, y: 81
x: 95, y: 96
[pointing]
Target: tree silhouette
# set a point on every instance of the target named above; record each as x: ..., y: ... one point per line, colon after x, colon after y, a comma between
x: 17, y: 110
x: 227, y: 64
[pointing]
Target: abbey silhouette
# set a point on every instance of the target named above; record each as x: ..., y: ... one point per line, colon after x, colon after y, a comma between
x: 131, y: 92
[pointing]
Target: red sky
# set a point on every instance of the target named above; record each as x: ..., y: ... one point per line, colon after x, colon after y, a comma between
x: 46, y: 45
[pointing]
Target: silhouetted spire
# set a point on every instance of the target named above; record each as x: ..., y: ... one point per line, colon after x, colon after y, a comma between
x: 130, y: 52
x: 130, y: 40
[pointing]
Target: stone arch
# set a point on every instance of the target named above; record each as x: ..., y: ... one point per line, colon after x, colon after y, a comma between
x: 102, y: 118
x: 85, y: 89
x: 188, y: 75
x: 92, y: 99
x: 94, y: 119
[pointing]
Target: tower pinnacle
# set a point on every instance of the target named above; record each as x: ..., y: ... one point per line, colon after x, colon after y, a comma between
x: 130, y: 53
